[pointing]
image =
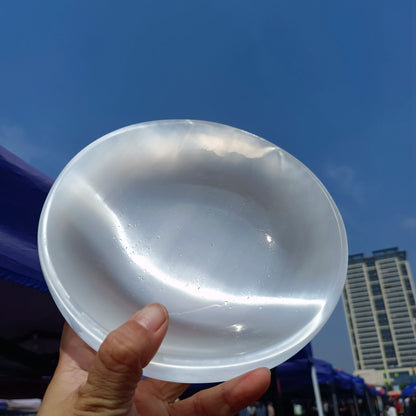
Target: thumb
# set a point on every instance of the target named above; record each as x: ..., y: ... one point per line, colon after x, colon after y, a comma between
x: 117, y: 368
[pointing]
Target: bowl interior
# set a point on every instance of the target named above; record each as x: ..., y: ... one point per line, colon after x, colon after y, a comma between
x: 238, y: 239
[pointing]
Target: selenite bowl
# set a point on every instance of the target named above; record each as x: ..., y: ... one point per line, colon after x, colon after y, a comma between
x: 237, y: 238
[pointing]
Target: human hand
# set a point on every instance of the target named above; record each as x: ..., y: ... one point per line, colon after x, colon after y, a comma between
x: 108, y: 383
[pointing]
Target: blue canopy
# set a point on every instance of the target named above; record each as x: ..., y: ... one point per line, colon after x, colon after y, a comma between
x: 359, y: 386
x: 372, y: 391
x: 31, y: 325
x: 24, y: 190
x: 343, y: 380
x: 409, y: 390
x: 295, y: 375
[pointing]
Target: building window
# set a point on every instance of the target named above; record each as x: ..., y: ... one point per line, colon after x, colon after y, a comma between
x: 397, y: 303
x: 372, y: 274
x: 375, y: 289
x: 395, y: 294
x: 379, y: 304
x: 408, y: 349
x: 411, y: 299
x: 392, y: 363
x: 391, y: 279
x: 404, y: 338
x: 372, y: 345
x: 400, y: 314
x: 367, y: 332
x: 403, y: 269
x: 387, y: 264
x: 389, y: 351
x: 362, y: 309
x: 406, y: 331
x: 364, y: 316
x: 362, y: 300
x: 408, y: 355
x: 372, y: 359
x: 407, y: 283
x: 369, y: 262
x: 357, y: 288
x: 382, y: 319
x: 386, y: 334
x: 407, y: 342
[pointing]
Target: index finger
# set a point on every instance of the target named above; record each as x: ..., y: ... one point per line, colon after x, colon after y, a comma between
x: 227, y: 398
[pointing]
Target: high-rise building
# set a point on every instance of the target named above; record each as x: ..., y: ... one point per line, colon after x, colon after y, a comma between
x: 379, y: 305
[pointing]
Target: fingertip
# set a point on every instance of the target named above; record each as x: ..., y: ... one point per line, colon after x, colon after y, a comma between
x: 260, y: 377
x: 152, y: 316
x: 262, y: 372
x: 252, y: 385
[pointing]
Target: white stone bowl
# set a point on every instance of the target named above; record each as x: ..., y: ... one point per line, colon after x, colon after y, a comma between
x: 237, y: 238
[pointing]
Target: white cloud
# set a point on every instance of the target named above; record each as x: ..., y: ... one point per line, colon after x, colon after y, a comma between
x: 409, y: 222
x: 15, y: 139
x: 345, y: 178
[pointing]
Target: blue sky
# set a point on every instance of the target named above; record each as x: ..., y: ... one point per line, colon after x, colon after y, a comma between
x: 330, y: 82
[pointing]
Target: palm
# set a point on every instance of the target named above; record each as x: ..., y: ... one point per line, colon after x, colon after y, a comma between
x: 152, y: 397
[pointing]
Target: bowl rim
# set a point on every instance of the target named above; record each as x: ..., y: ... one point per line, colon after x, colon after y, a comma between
x: 93, y: 334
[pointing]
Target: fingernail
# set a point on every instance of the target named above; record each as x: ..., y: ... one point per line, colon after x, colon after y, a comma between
x: 151, y: 316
